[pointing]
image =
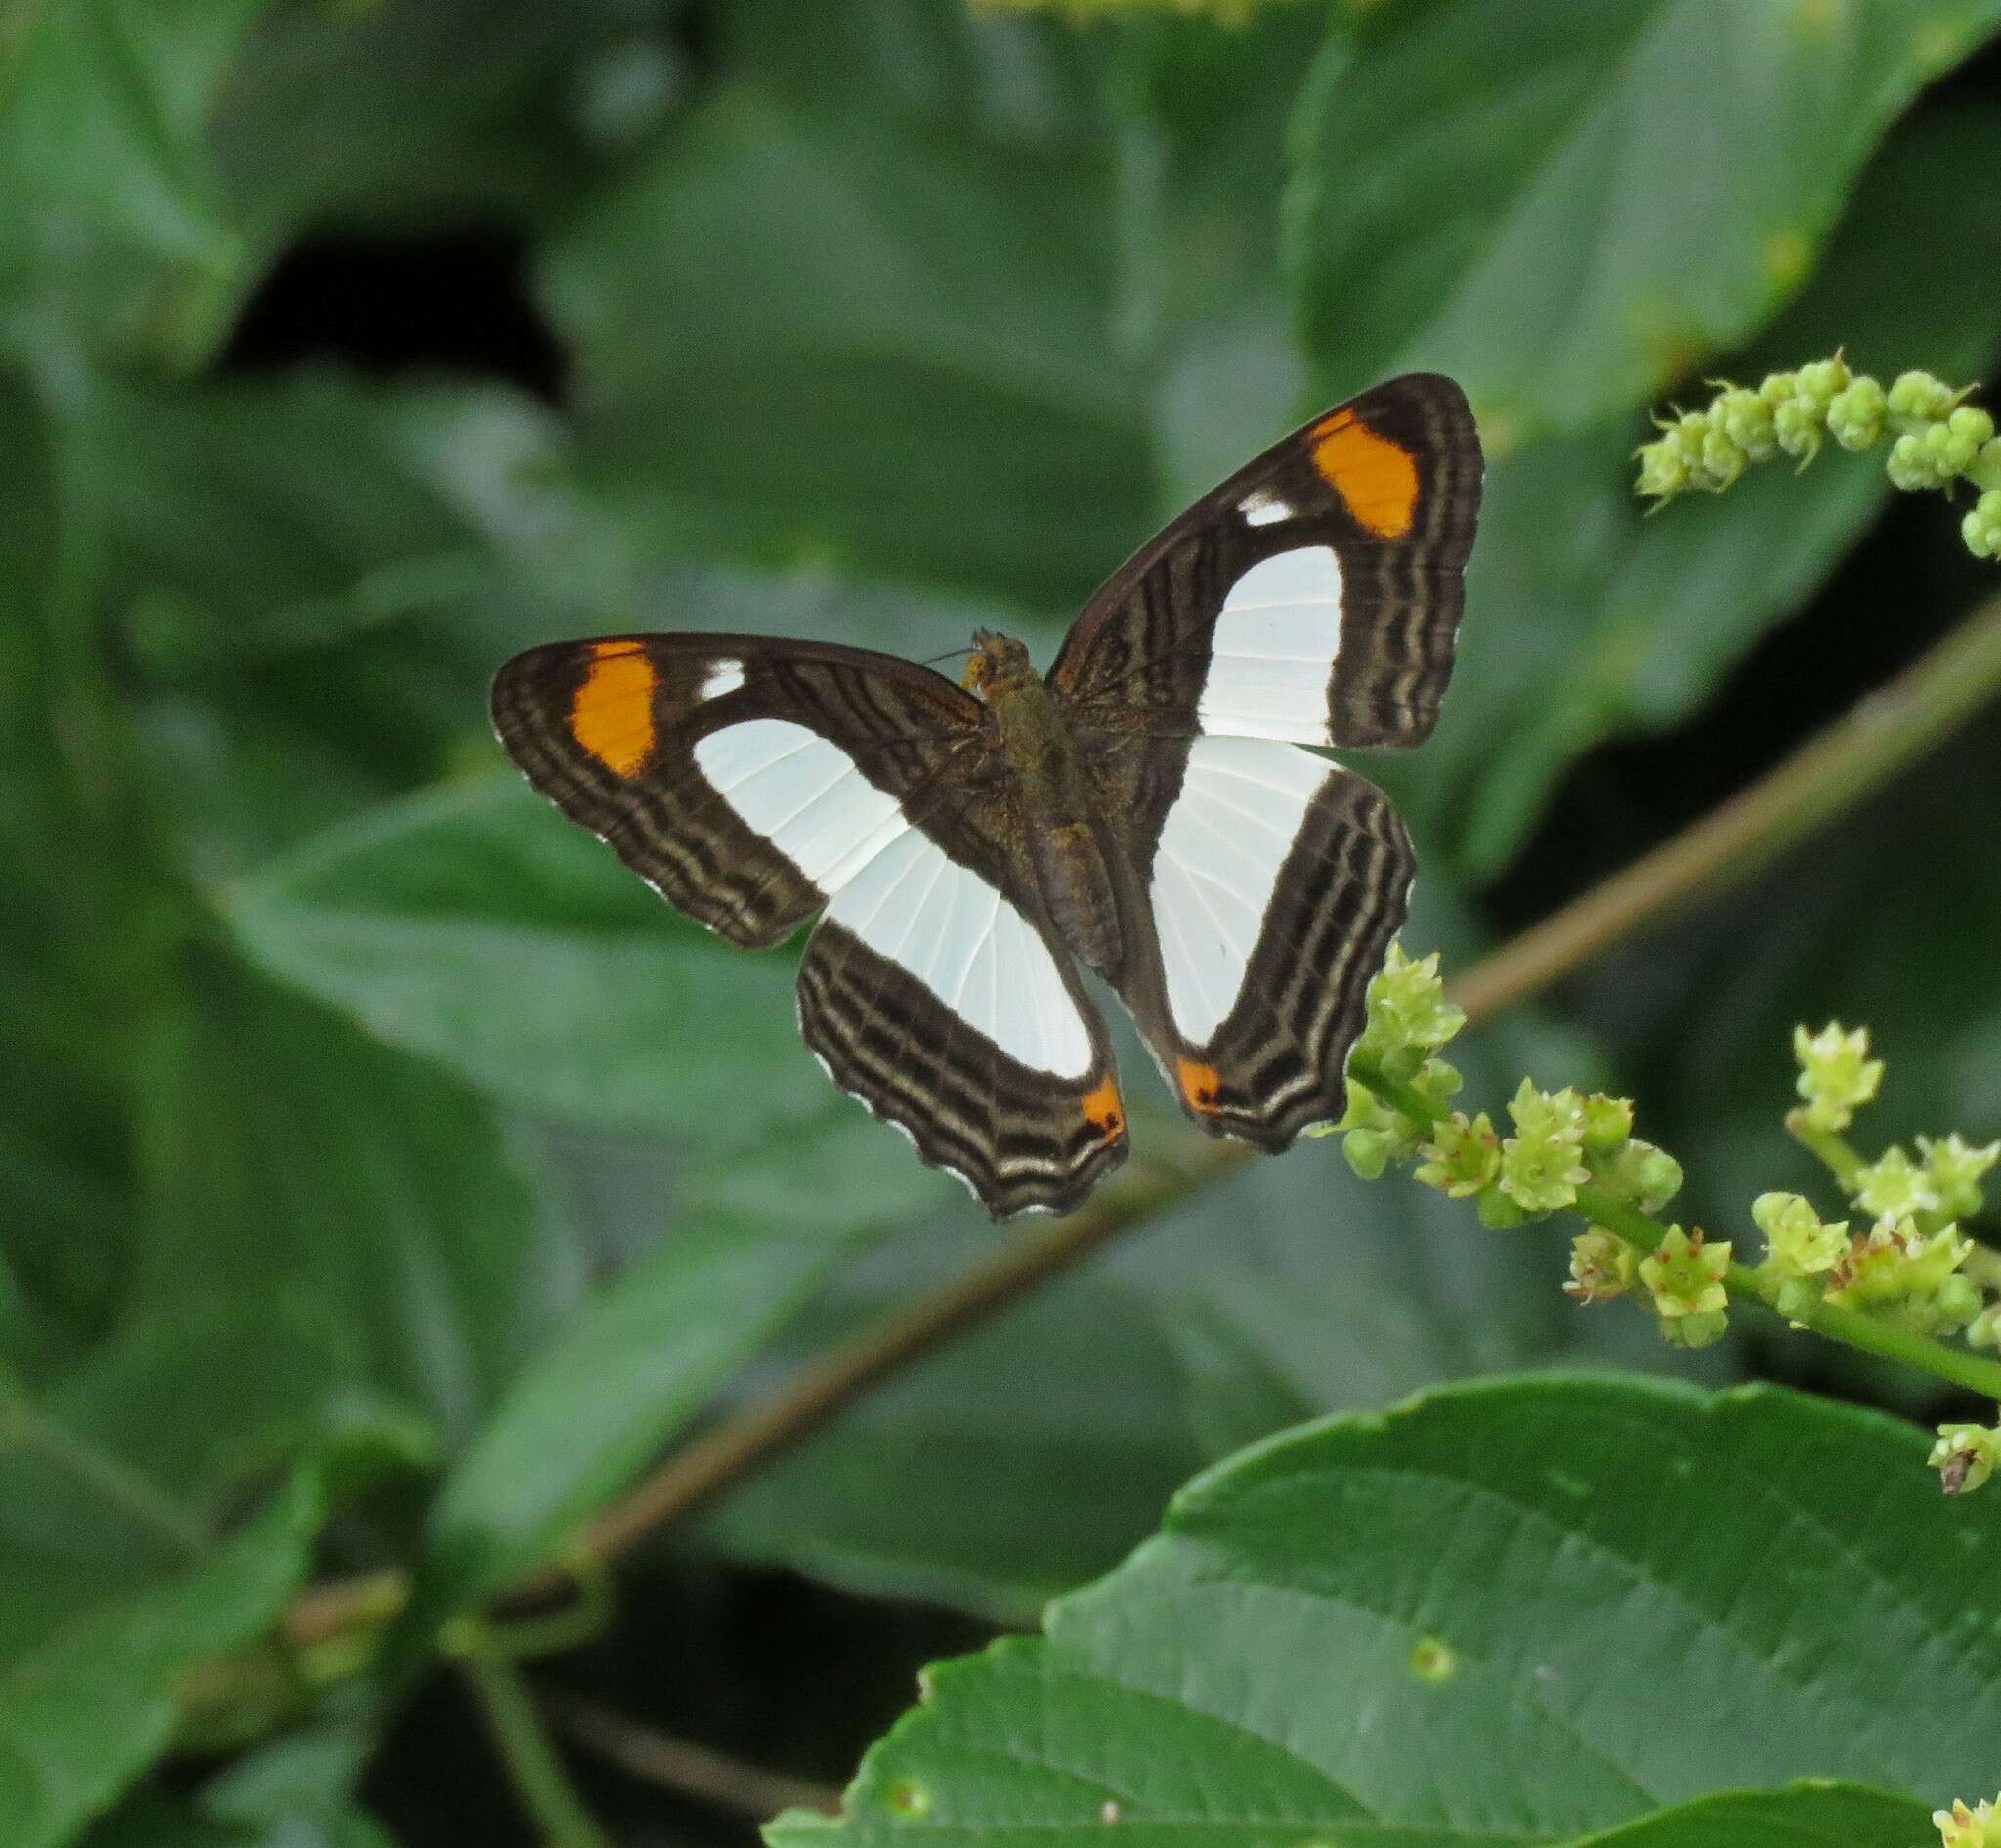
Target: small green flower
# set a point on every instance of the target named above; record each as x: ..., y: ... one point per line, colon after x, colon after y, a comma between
x: 1893, y: 1263
x: 1965, y: 1456
x: 1797, y: 426
x: 1893, y: 1187
x: 1465, y: 1156
x: 1981, y: 528
x: 1963, y: 1828
x: 1958, y: 1302
x: 1542, y: 1164
x: 1746, y: 419
x: 1647, y: 1176
x: 1601, y: 1267
x: 1986, y: 472
x: 1837, y: 1075
x: 1695, y: 1331
x: 1954, y: 1168
x: 1686, y: 1273
x: 1984, y: 1330
x: 1607, y: 1123
x: 1821, y: 381
x: 1373, y: 1135
x: 1914, y: 464
x: 1407, y: 1007
x: 1857, y: 414
x: 1797, y: 1243
x: 1917, y: 397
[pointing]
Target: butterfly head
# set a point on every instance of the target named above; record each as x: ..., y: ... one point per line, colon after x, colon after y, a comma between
x: 1000, y: 664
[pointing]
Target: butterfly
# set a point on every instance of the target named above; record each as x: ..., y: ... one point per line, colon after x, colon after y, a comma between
x: 1150, y: 810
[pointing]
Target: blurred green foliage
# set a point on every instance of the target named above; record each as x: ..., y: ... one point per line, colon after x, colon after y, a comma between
x: 385, y: 1177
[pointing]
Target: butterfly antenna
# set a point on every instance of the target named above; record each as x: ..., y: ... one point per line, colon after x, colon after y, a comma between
x: 951, y: 654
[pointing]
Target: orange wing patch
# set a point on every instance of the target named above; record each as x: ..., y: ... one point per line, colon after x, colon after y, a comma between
x: 612, y: 714
x: 1201, y: 1084
x: 1106, y: 1112
x: 1377, y: 477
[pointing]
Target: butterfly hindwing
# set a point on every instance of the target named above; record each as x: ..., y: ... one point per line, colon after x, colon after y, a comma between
x: 1314, y: 596
x: 1264, y: 885
x: 951, y: 1011
x: 745, y: 779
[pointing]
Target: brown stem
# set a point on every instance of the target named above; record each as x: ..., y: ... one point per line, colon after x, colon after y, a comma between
x: 1827, y: 775
x: 683, y: 1765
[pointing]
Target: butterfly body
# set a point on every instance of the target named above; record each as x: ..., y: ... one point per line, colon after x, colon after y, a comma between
x: 1056, y: 803
x: 1151, y: 809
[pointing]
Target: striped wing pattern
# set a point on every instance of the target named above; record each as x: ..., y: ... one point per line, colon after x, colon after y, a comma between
x: 961, y: 1020
x: 1274, y: 883
x: 754, y: 784
x: 1313, y: 596
x: 743, y: 779
x: 1313, y: 599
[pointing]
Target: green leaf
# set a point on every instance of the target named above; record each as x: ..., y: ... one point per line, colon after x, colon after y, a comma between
x: 1585, y: 620
x: 751, y: 1243
x: 1568, y: 208
x: 475, y: 927
x: 1800, y: 1816
x: 93, y: 1702
x: 1527, y: 1610
x: 447, y: 112
x: 111, y: 228
x: 824, y: 333
x: 303, y: 1178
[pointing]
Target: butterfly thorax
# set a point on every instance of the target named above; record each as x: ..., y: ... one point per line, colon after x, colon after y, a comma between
x: 1054, y: 797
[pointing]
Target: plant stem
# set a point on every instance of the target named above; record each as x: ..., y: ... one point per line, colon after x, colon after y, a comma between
x: 526, y: 1749
x: 680, y: 1764
x: 1826, y: 776
x: 106, y: 1475
x: 1833, y: 1321
x: 1837, y: 1154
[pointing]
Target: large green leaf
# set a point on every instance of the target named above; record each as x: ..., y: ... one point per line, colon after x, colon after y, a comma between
x: 1809, y: 1815
x: 810, y: 332
x: 478, y: 928
x: 113, y: 231
x: 303, y: 1177
x: 94, y: 1702
x: 752, y: 1241
x: 1519, y: 1611
x: 429, y: 111
x: 1568, y: 206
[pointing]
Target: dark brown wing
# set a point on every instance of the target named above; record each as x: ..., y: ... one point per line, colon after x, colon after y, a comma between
x: 1259, y: 888
x: 1313, y: 596
x: 744, y: 777
x: 936, y: 991
x: 754, y: 780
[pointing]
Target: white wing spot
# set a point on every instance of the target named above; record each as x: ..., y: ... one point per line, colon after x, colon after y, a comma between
x: 1254, y: 795
x: 1263, y: 507
x: 725, y: 676
x: 947, y: 928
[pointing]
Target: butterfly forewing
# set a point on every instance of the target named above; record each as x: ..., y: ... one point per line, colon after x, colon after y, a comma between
x: 1314, y: 596
x: 745, y: 779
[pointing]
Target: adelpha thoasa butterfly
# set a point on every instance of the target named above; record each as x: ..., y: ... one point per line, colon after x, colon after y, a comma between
x: 1146, y: 810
